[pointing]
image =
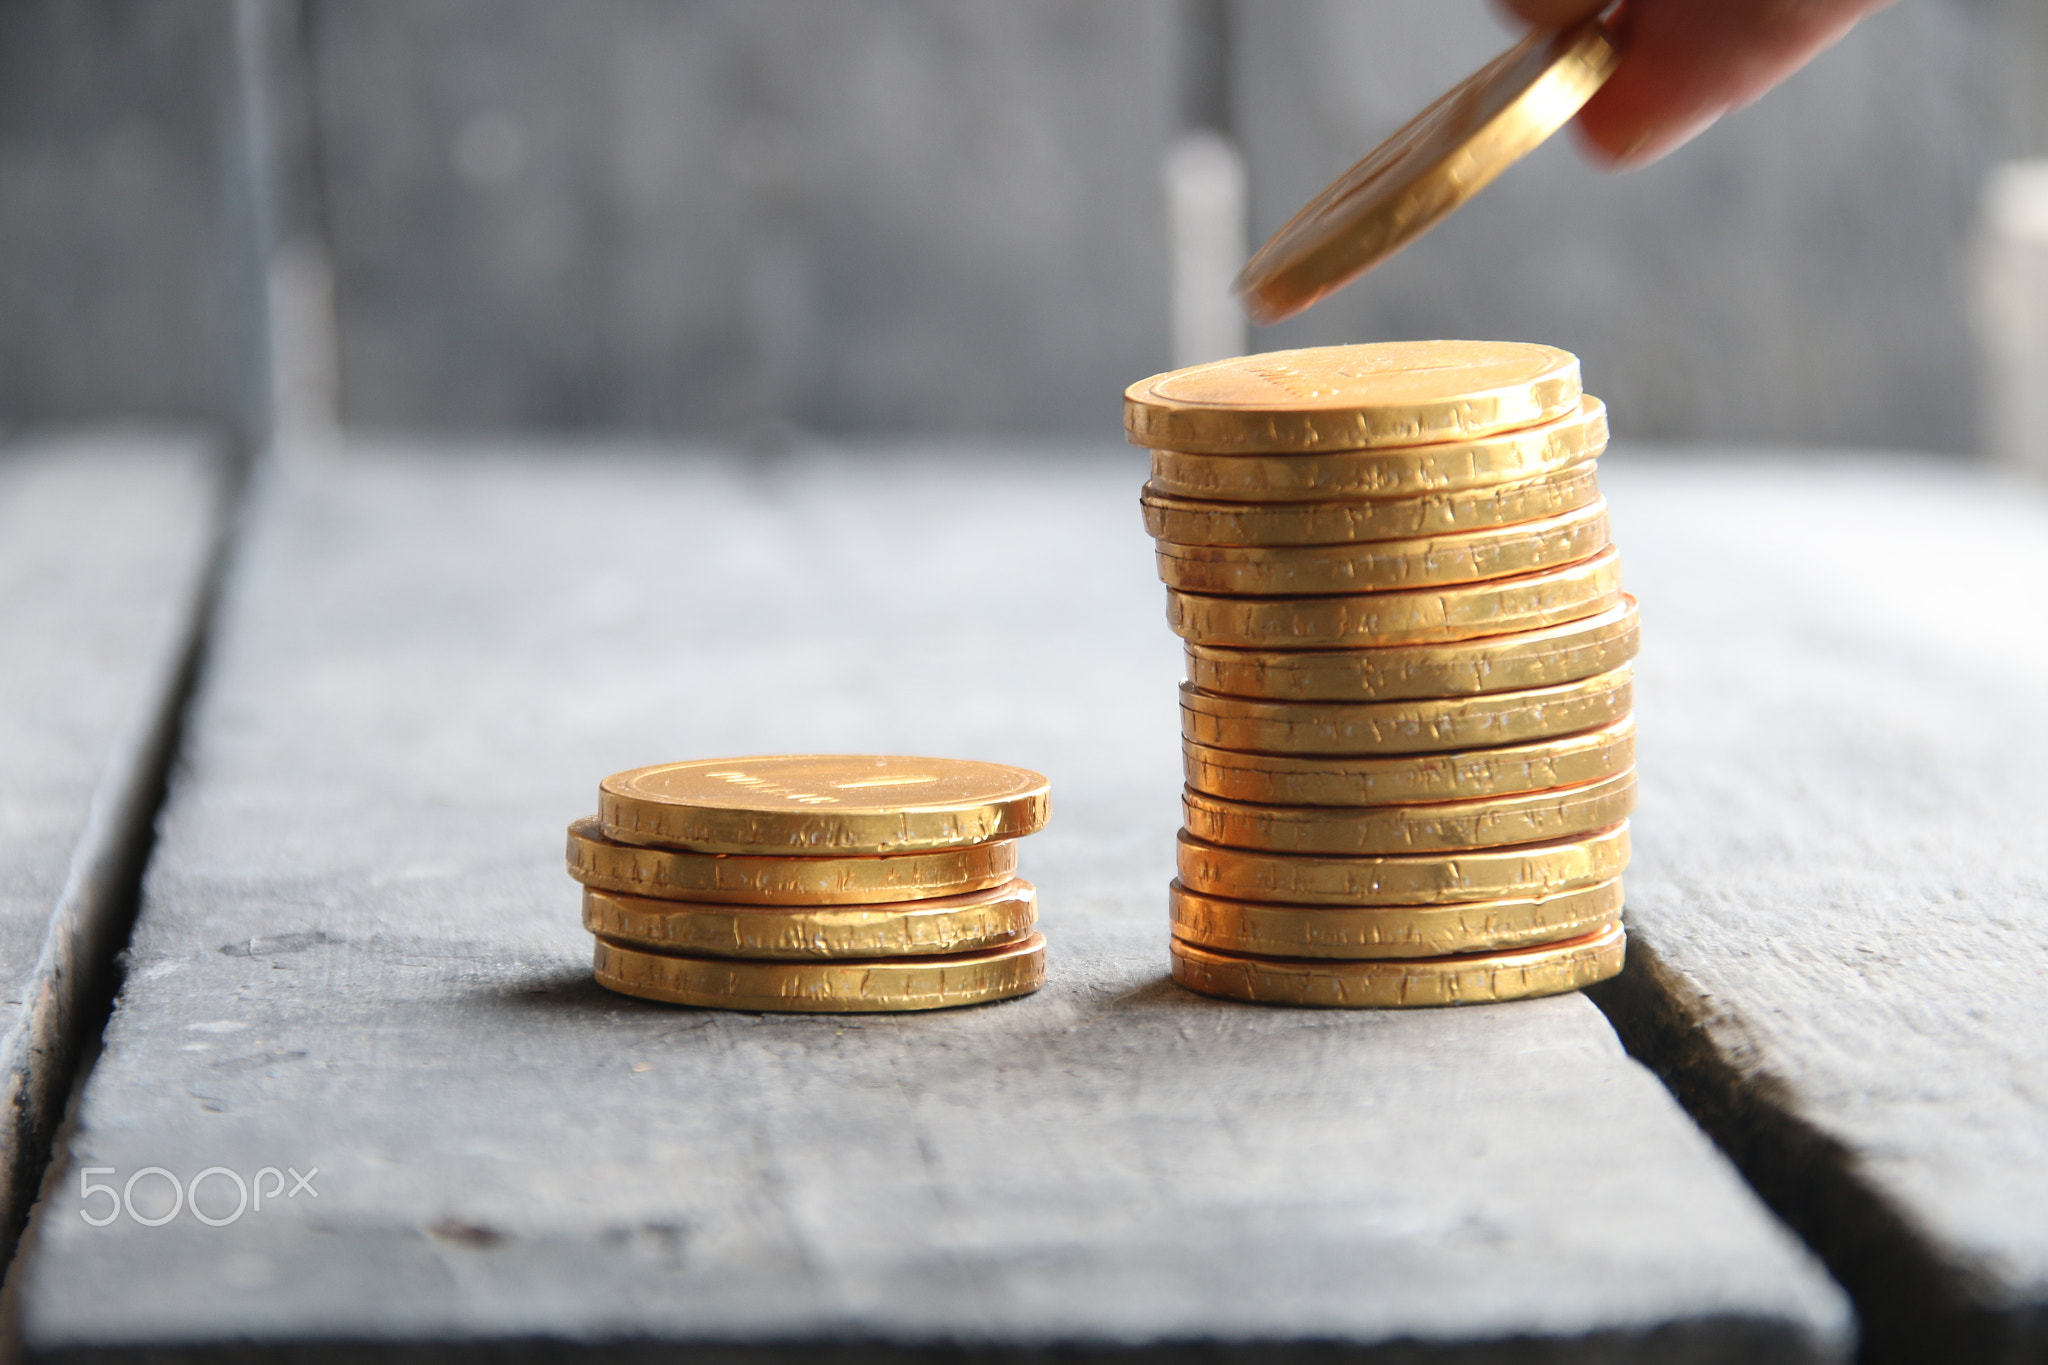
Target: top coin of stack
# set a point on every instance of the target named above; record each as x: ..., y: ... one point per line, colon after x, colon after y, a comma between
x: 1408, y: 730
x: 823, y: 883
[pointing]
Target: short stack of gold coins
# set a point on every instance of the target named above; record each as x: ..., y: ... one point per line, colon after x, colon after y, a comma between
x: 820, y: 883
x: 1407, y: 724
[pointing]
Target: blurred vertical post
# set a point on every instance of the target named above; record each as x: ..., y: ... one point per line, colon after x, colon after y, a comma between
x: 252, y: 185
x: 2012, y: 312
x: 1206, y: 200
x: 2011, y: 265
x: 302, y: 347
x: 297, y: 362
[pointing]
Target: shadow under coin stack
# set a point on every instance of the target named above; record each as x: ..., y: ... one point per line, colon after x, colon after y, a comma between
x: 1407, y: 726
x: 820, y: 883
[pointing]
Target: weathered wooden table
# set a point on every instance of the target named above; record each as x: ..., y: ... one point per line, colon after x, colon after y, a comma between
x: 358, y: 954
x: 106, y: 541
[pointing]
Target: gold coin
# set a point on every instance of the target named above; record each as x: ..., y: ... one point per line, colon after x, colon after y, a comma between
x: 674, y: 874
x: 1435, y: 725
x: 947, y: 924
x: 1532, y: 870
x: 1385, y: 565
x: 1467, y: 774
x: 1387, y: 393
x: 1230, y: 926
x: 822, y: 803
x: 1467, y: 979
x: 1439, y: 159
x: 1514, y: 662
x: 1469, y: 467
x: 1417, y: 616
x: 1440, y: 826
x: 1191, y: 521
x: 851, y: 986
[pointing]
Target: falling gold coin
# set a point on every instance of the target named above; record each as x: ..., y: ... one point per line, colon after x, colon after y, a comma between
x: 1440, y: 826
x: 1231, y: 926
x: 1290, y: 780
x: 1434, y: 725
x: 1417, y: 616
x: 674, y: 874
x: 1532, y: 870
x: 1385, y: 565
x: 947, y: 924
x: 1439, y: 159
x: 854, y: 986
x: 1472, y: 467
x: 1191, y: 521
x: 1390, y: 393
x: 821, y: 803
x: 1581, y: 648
x: 1467, y: 979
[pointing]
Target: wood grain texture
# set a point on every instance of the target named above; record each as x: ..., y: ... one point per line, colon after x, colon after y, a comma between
x: 105, y: 545
x: 359, y: 952
x: 1840, y: 888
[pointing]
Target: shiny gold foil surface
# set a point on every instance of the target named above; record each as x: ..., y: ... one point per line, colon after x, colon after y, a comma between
x: 1386, y: 565
x: 1406, y: 779
x: 1415, y: 616
x: 1465, y: 979
x: 947, y: 924
x: 1443, y: 156
x: 1433, y: 725
x: 1392, y: 393
x: 1513, y: 662
x: 822, y: 804
x: 1533, y: 870
x: 1242, y: 927
x: 1440, y: 826
x: 1440, y: 468
x: 1194, y: 521
x: 674, y: 874
x: 841, y: 987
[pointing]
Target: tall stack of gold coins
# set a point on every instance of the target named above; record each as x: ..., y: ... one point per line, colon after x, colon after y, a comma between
x: 823, y: 883
x: 1407, y: 725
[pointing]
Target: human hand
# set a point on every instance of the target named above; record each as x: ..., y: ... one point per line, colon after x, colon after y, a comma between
x: 1684, y: 63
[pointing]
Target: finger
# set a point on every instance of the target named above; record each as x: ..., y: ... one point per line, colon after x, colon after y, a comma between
x: 1686, y: 62
x: 1553, y: 13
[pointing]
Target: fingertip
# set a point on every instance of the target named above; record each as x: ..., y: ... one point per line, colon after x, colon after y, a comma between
x: 1686, y: 62
x: 1594, y: 147
x: 1552, y: 13
x: 1626, y: 144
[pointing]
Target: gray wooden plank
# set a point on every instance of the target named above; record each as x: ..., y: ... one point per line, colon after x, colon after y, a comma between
x: 1840, y: 888
x: 359, y: 953
x: 1790, y: 276
x: 105, y: 544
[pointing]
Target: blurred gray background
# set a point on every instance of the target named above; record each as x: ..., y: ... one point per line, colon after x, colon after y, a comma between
x: 750, y: 218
